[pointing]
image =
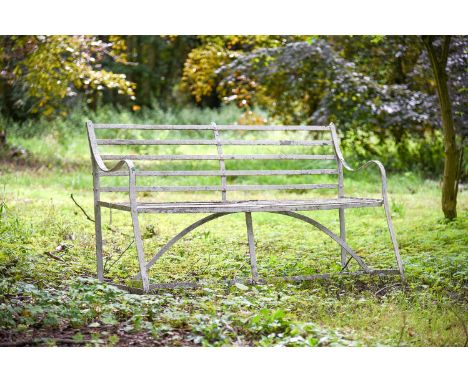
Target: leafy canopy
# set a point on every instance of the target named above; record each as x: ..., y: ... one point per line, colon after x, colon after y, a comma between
x: 48, y: 70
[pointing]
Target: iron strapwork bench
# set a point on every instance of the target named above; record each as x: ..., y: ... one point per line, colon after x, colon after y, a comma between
x: 238, y: 136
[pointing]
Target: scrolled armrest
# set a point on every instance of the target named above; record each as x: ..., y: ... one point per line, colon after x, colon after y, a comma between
x: 339, y: 155
x: 131, y: 177
x: 100, y: 165
x: 125, y: 162
x: 383, y: 175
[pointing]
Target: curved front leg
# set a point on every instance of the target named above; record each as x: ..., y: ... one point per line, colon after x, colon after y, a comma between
x: 383, y: 177
x: 136, y: 228
x: 99, y: 165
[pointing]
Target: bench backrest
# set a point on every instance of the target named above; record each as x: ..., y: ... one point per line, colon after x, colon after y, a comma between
x: 236, y: 152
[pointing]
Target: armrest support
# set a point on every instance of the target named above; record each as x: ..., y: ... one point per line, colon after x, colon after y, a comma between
x: 339, y: 155
x: 98, y: 164
x: 383, y: 176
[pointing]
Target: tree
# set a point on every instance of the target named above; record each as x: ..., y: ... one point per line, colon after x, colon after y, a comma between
x: 316, y: 82
x: 452, y: 167
x: 44, y: 75
x: 308, y: 82
x: 156, y: 64
x: 201, y: 69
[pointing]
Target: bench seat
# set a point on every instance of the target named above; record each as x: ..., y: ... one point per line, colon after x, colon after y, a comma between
x: 247, y: 205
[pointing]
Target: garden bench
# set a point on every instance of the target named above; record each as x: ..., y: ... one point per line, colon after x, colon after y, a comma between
x: 136, y: 205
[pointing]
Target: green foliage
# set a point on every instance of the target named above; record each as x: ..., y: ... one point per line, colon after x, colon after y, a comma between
x: 68, y: 133
x: 378, y: 92
x: 156, y: 69
x: 387, y: 59
x: 411, y: 153
x: 200, y: 70
x: 50, y: 71
x: 200, y: 75
x: 301, y: 88
x: 423, y: 153
x: 384, y: 90
x: 371, y: 85
x: 46, y: 300
x: 376, y: 87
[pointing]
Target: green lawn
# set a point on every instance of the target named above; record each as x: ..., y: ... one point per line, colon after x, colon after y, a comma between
x: 54, y: 299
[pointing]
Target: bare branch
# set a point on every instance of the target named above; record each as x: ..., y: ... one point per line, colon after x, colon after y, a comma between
x: 81, y: 208
x: 60, y: 248
x: 385, y: 288
x: 346, y: 265
x: 53, y: 256
x: 119, y: 257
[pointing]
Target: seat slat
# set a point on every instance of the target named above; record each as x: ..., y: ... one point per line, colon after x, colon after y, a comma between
x: 248, y: 205
x: 217, y: 157
x: 232, y: 142
x: 245, y: 187
x: 227, y: 172
x: 210, y: 127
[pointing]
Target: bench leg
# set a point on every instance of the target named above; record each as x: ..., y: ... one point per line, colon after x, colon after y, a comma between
x: 343, y: 237
x: 394, y: 240
x: 139, y: 247
x: 250, y: 235
x: 98, y: 231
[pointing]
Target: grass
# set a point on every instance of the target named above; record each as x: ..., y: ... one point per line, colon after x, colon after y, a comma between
x: 48, y: 294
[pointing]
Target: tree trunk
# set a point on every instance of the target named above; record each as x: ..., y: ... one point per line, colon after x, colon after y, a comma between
x: 451, y: 165
x: 3, y: 141
x: 5, y: 106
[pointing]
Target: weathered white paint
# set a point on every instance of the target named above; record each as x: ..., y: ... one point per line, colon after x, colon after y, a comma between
x: 224, y: 207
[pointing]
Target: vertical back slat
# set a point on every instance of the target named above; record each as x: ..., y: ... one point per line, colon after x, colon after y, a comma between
x: 222, y: 165
x: 336, y: 142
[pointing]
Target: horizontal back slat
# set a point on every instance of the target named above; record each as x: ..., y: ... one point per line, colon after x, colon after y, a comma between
x: 218, y: 157
x: 226, y: 173
x: 210, y: 127
x: 247, y: 187
x: 234, y: 142
x: 297, y: 148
